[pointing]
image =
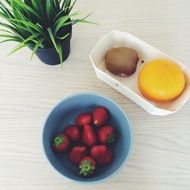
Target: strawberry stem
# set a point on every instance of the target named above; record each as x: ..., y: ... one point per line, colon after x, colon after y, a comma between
x: 111, y: 139
x: 58, y: 140
x: 86, y: 168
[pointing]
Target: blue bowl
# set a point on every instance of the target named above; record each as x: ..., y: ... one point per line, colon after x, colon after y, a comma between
x: 64, y: 114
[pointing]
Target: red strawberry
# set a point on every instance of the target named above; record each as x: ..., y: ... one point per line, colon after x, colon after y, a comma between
x: 77, y: 153
x: 106, y: 135
x: 60, y: 143
x: 83, y: 119
x: 73, y: 133
x: 87, y: 166
x: 102, y: 154
x: 89, y: 137
x: 100, y: 116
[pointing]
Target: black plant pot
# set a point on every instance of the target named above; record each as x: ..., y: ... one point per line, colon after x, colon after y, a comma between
x: 50, y: 56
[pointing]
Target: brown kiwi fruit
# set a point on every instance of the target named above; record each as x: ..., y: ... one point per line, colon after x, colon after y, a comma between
x: 121, y: 61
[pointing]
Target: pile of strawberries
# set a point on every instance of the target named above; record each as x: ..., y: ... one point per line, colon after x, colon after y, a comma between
x: 88, y: 141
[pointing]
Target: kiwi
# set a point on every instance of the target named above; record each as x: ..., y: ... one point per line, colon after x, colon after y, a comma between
x: 121, y: 61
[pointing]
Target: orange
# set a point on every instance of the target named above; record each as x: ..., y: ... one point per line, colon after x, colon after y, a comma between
x: 161, y: 80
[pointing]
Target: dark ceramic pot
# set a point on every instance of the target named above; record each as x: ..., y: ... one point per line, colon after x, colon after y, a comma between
x: 50, y: 56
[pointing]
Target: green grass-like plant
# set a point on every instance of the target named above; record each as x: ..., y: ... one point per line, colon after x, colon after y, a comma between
x: 37, y: 23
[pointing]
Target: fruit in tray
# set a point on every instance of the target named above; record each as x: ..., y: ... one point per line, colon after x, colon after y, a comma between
x: 87, y: 141
x: 161, y: 80
x: 121, y: 61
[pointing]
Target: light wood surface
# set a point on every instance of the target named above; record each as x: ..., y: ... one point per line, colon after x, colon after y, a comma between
x: 160, y: 158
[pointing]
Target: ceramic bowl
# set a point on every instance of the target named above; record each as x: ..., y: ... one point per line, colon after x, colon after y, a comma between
x: 64, y: 114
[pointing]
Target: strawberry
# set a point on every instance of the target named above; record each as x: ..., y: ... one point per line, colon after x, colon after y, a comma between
x: 72, y: 132
x: 60, y: 143
x: 100, y: 116
x: 87, y: 166
x: 83, y: 119
x: 77, y: 152
x: 89, y: 137
x: 106, y: 135
x: 102, y: 154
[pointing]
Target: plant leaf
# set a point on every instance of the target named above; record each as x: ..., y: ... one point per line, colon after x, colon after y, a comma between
x: 59, y: 15
x: 6, y: 35
x: 28, y: 2
x: 60, y: 52
x: 83, y: 20
x: 7, y: 31
x: 38, y: 44
x: 5, y: 10
x: 66, y: 4
x: 8, y: 2
x: 30, y: 38
x: 24, y: 43
x: 34, y: 4
x: 12, y: 28
x: 52, y: 38
x: 17, y: 48
x: 4, y: 30
x: 47, y: 18
x: 63, y: 37
x: 48, y: 8
x: 57, y: 4
x: 21, y: 30
x: 71, y: 7
x: 14, y: 10
x: 26, y: 8
x: 30, y: 24
x: 61, y: 21
x: 12, y: 39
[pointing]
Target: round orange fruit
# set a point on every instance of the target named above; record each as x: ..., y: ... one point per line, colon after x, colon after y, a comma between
x: 161, y: 80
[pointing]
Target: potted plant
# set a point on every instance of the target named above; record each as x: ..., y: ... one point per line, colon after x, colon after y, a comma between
x: 45, y: 26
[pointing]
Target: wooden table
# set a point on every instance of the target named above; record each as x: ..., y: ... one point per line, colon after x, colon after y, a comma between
x: 160, y: 158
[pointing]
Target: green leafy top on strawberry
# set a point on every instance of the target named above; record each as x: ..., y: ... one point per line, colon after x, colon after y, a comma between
x: 87, y: 167
x: 106, y: 134
x: 58, y: 140
x: 111, y: 139
x: 60, y: 143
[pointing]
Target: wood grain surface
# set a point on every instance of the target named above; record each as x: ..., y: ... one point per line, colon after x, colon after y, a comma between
x: 160, y: 158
